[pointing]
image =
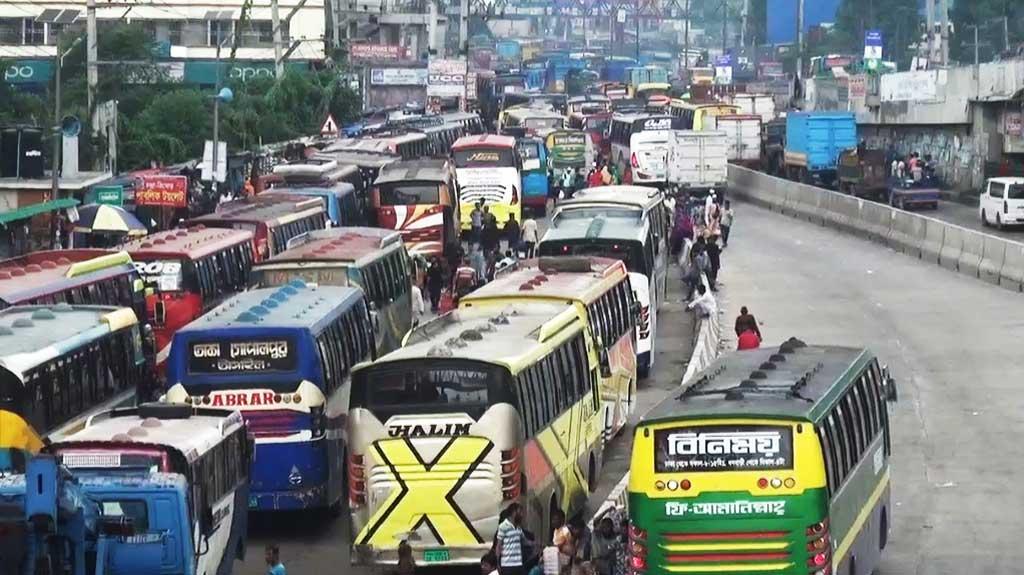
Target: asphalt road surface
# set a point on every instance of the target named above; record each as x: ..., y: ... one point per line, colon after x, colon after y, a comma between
x: 315, y: 544
x: 953, y: 344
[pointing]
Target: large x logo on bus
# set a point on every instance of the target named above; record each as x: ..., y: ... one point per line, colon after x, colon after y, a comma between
x: 426, y: 492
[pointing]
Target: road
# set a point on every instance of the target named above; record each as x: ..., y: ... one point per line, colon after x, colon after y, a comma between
x: 313, y: 544
x: 967, y: 216
x: 951, y: 343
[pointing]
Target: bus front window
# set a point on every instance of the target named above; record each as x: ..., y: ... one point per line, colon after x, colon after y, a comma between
x: 409, y: 194
x: 428, y: 387
x: 631, y: 253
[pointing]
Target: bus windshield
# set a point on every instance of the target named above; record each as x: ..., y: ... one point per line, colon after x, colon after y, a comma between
x: 629, y: 251
x: 484, y: 158
x: 544, y: 123
x: 585, y: 213
x: 162, y: 275
x: 425, y: 386
x: 723, y: 448
x: 407, y: 194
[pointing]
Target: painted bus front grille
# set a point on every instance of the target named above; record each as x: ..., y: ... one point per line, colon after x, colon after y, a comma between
x: 730, y: 552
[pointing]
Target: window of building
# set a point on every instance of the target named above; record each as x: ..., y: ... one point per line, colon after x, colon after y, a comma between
x: 35, y: 33
x: 218, y: 31
x: 174, y: 33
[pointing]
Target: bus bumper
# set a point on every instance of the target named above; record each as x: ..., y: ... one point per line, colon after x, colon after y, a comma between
x: 306, y: 498
x: 368, y: 555
x: 290, y: 476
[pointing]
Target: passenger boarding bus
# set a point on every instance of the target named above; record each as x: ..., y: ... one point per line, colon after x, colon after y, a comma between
x: 534, y: 155
x: 487, y: 169
x: 187, y: 273
x: 61, y: 363
x: 774, y: 460
x: 621, y: 131
x: 419, y: 199
x: 599, y: 290
x: 272, y: 223
x: 281, y: 356
x: 91, y: 277
x: 177, y: 473
x: 371, y: 259
x: 481, y: 408
x: 699, y: 116
x: 627, y: 230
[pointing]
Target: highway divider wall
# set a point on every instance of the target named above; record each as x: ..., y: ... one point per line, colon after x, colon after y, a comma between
x: 993, y: 259
x: 705, y: 349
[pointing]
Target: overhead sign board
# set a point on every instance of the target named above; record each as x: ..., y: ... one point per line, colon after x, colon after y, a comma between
x: 109, y: 195
x: 446, y: 78
x: 398, y: 77
x: 166, y: 191
x: 376, y: 52
x: 872, y: 44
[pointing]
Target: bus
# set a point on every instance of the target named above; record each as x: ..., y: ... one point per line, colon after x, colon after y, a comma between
x: 187, y: 273
x: 595, y: 124
x: 78, y: 276
x: 620, y: 222
x: 487, y: 170
x: 589, y: 104
x: 570, y: 149
x: 534, y: 155
x: 599, y: 290
x: 371, y: 259
x: 338, y: 185
x: 177, y: 472
x: 527, y: 121
x: 774, y: 460
x: 699, y: 116
x: 419, y: 199
x: 481, y: 408
x: 344, y: 206
x: 622, y: 128
x: 61, y: 363
x: 640, y: 76
x: 282, y: 356
x: 469, y: 121
x: 272, y: 222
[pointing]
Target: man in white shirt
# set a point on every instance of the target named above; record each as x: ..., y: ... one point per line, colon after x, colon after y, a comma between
x: 417, y: 304
x: 704, y: 304
x: 529, y: 230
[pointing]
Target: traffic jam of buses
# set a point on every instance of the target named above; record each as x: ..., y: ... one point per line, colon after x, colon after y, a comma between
x: 436, y: 339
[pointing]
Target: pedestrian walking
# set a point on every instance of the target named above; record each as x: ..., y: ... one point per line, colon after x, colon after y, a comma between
x: 714, y: 259
x: 746, y: 321
x: 704, y: 304
x: 691, y: 272
x: 416, y: 297
x: 478, y: 261
x: 726, y: 222
x: 511, y: 232
x: 491, y: 236
x: 272, y: 555
x: 606, y: 545
x: 510, y: 542
x: 748, y: 340
x: 529, y: 236
x: 606, y: 176
x: 435, y: 282
x: 476, y: 222
x: 568, y: 182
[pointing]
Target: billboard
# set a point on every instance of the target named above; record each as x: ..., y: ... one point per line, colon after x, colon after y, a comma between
x: 398, y: 77
x: 380, y: 52
x: 168, y: 191
x: 782, y: 18
x: 446, y: 78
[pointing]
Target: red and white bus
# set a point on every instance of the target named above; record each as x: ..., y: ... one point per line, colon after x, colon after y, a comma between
x: 188, y: 272
x: 273, y: 222
x: 79, y: 277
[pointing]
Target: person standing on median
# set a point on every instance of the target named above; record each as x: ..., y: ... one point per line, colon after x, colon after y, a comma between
x: 727, y: 217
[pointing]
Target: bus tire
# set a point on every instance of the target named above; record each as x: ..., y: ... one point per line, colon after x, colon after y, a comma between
x: 883, y: 529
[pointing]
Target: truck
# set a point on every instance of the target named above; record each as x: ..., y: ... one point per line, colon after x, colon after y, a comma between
x: 814, y: 141
x: 697, y: 161
x: 863, y: 173
x: 129, y: 503
x: 743, y: 138
x: 758, y: 104
x: 907, y: 193
x: 773, y: 144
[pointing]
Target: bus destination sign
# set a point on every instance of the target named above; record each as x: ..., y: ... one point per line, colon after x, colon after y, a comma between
x: 723, y: 448
x: 241, y: 356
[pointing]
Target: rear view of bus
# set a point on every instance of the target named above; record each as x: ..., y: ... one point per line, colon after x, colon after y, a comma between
x: 281, y: 356
x: 772, y: 461
x: 487, y: 170
x: 418, y: 199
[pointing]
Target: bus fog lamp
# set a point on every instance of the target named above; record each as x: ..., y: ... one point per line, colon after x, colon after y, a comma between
x: 659, y: 485
x: 672, y: 485
x: 790, y: 483
x: 776, y: 482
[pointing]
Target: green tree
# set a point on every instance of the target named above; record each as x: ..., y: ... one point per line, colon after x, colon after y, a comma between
x: 171, y: 129
x: 988, y: 16
x: 898, y: 20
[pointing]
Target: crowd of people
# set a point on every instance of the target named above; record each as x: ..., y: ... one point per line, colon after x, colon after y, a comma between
x: 920, y: 170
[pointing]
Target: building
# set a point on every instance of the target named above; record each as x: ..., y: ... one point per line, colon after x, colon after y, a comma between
x: 186, y: 33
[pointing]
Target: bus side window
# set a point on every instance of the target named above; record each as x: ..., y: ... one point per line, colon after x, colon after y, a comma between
x: 836, y: 439
x: 852, y: 422
x: 327, y: 361
x: 880, y: 402
x: 863, y: 415
x: 829, y: 455
x: 864, y: 386
x: 527, y: 404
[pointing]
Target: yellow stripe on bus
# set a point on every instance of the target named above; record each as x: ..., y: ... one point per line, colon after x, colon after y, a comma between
x: 760, y: 546
x: 862, y: 517
x: 120, y: 318
x: 728, y: 568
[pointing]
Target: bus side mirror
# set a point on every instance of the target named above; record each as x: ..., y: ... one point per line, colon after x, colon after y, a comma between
x: 889, y: 385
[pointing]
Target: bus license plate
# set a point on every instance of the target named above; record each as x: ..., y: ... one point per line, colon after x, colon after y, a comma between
x: 435, y: 556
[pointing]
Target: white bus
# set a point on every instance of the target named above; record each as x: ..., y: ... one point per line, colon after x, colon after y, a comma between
x: 487, y: 169
x: 621, y: 130
x: 628, y: 223
x: 197, y: 458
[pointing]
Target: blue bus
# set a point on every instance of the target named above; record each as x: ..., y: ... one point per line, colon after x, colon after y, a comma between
x: 282, y: 356
x: 343, y: 205
x: 534, y: 173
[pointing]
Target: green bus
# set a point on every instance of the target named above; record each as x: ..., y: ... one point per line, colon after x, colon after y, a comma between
x: 774, y: 460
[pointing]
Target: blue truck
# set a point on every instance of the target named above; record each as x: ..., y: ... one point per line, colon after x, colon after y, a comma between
x: 814, y: 141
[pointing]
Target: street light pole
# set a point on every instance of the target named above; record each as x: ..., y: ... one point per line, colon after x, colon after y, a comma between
x: 55, y: 161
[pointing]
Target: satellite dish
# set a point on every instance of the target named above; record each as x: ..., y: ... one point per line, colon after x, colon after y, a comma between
x: 70, y: 126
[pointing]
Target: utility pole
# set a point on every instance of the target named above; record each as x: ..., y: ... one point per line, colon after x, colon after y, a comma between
x: 464, y: 28
x: 975, y: 48
x: 275, y: 17
x: 799, y: 39
x: 636, y: 16
x: 944, y: 32
x: 725, y: 20
x: 92, y: 75
x: 743, y: 26
x: 57, y: 137
x: 1006, y: 34
x: 686, y: 42
x: 929, y: 9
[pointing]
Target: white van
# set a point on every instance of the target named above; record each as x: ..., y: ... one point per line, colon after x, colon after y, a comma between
x: 1002, y: 203
x: 648, y: 157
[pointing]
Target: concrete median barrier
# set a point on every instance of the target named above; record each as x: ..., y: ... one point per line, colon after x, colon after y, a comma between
x: 875, y: 221
x: 907, y: 233
x: 934, y: 234
x: 847, y: 210
x: 801, y: 201
x: 994, y: 254
x: 952, y: 245
x: 1012, y: 275
x: 969, y: 262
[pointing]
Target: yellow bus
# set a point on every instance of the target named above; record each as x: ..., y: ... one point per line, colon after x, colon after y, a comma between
x: 481, y: 408
x: 599, y: 290
x: 699, y: 116
x: 774, y: 460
